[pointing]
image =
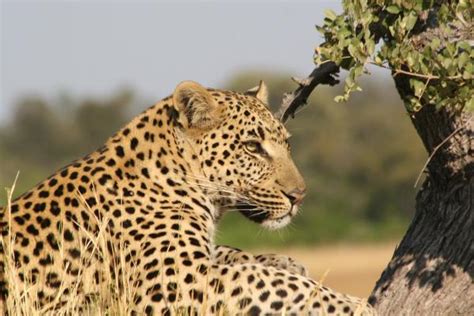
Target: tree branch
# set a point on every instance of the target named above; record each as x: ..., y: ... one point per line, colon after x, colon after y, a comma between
x: 323, y: 74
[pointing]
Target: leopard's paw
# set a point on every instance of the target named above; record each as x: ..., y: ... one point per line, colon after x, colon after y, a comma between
x: 282, y: 262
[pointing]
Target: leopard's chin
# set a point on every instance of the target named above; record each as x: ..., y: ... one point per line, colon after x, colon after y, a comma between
x: 274, y: 224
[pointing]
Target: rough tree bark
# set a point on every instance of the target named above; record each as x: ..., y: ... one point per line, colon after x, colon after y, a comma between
x: 432, y: 269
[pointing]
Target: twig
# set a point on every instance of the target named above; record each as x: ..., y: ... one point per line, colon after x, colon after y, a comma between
x: 429, y: 77
x: 415, y: 74
x: 434, y: 152
x: 324, y: 74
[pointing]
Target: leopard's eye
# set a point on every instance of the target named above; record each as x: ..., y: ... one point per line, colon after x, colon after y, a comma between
x: 252, y: 147
x: 255, y: 147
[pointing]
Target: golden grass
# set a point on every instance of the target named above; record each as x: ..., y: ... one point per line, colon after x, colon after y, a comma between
x: 110, y: 300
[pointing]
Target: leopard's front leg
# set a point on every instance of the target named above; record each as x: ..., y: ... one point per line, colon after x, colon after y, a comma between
x: 230, y: 255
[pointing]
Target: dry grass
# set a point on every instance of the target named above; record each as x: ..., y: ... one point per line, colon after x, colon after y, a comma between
x: 110, y: 300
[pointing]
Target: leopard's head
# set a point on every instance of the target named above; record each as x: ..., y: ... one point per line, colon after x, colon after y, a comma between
x: 243, y: 152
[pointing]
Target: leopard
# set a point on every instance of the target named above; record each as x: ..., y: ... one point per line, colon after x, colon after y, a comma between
x: 153, y: 195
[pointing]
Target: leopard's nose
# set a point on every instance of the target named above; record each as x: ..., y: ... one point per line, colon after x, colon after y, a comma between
x: 296, y: 196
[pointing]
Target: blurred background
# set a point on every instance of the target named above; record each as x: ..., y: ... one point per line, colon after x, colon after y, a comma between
x: 72, y: 73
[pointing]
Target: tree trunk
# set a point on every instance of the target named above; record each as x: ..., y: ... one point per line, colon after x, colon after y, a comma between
x: 432, y: 270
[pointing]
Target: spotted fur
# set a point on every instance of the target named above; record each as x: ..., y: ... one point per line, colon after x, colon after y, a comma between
x: 156, y: 190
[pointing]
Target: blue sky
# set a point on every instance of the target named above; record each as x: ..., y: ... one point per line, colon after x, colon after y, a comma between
x: 96, y: 47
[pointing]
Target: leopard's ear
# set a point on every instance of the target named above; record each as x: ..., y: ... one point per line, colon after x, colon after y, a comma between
x: 260, y: 92
x: 200, y: 110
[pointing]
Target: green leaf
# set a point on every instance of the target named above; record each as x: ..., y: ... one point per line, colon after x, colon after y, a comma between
x: 463, y: 4
x: 418, y: 87
x: 411, y: 21
x: 413, y: 105
x: 320, y: 29
x: 470, y: 105
x: 435, y: 43
x: 418, y: 6
x: 330, y: 14
x: 410, y: 61
x: 358, y: 70
x: 470, y: 68
x: 467, y: 76
x: 393, y: 9
x: 370, y: 44
x: 378, y: 60
x: 463, y: 59
x: 464, y: 45
x: 446, y: 62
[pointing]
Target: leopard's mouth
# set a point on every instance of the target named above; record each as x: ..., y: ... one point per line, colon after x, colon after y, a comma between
x: 263, y: 217
x: 252, y: 212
